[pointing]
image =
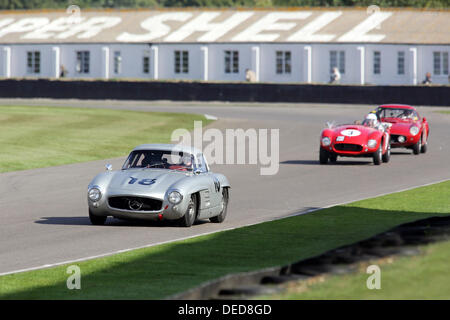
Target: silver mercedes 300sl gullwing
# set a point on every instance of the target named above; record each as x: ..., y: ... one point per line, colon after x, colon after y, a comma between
x: 160, y: 181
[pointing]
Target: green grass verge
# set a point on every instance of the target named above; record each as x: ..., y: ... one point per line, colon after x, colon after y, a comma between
x: 424, y: 276
x: 163, y: 270
x: 34, y: 137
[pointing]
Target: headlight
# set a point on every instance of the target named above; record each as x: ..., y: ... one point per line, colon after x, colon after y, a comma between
x: 94, y: 194
x: 175, y: 197
x: 326, y: 141
x: 372, y: 143
x: 401, y: 139
x: 414, y: 130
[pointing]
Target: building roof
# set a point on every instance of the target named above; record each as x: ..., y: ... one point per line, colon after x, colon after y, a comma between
x: 304, y: 25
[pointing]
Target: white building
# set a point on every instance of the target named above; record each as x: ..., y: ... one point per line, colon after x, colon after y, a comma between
x: 297, y: 46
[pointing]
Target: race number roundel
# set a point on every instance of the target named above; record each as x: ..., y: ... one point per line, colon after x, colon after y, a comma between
x: 350, y: 133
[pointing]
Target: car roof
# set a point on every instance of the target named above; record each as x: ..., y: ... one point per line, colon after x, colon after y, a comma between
x: 168, y: 147
x: 399, y: 106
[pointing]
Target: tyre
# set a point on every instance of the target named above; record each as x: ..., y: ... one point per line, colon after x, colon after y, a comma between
x: 377, y: 156
x: 323, y: 156
x: 191, y: 213
x: 221, y: 217
x: 417, y: 146
x: 424, y: 147
x: 387, y: 155
x: 333, y: 158
x: 96, y: 220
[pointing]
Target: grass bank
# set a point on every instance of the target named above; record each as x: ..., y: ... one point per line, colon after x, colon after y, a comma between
x: 35, y: 137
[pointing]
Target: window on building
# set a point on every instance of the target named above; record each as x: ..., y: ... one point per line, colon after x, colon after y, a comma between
x: 146, y: 64
x: 33, y: 62
x: 181, y: 61
x: 83, y: 61
x: 440, y: 63
x: 337, y: 59
x: 117, y: 62
x: 445, y: 63
x: 283, y: 62
x: 231, y: 61
x: 376, y: 62
x: 401, y: 62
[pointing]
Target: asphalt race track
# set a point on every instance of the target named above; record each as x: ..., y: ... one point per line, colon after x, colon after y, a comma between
x: 44, y: 211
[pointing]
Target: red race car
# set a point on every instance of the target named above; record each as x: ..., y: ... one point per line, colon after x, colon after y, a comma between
x: 356, y: 140
x: 408, y: 129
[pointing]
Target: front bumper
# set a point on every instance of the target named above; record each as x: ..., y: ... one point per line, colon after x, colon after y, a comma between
x: 350, y: 150
x: 409, y: 140
x: 168, y: 211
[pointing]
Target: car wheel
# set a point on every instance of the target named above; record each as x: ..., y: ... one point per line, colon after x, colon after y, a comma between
x: 221, y: 217
x: 377, y: 156
x: 323, y: 156
x: 96, y: 220
x: 417, y: 146
x: 191, y: 213
x: 333, y: 158
x: 424, y: 148
x: 387, y: 155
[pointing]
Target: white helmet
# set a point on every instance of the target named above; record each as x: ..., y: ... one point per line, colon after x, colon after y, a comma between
x: 371, y: 119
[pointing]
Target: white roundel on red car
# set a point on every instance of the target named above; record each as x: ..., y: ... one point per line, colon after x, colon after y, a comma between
x: 350, y: 133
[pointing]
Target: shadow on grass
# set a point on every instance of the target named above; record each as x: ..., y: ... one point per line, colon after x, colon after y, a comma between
x: 157, y: 272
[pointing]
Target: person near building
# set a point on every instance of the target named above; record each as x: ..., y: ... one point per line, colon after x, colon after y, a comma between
x: 335, y: 75
x: 427, y: 78
x: 62, y: 72
x: 250, y: 75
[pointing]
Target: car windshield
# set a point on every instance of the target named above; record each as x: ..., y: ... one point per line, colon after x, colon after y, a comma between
x: 398, y: 113
x: 161, y: 159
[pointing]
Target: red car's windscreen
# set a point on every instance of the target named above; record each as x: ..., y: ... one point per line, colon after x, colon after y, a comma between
x: 398, y: 113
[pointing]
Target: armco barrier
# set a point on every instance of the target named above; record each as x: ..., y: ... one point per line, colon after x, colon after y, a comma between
x: 217, y: 91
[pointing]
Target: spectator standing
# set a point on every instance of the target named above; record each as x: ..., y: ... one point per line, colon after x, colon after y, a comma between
x: 427, y: 78
x: 335, y: 76
x: 62, y: 72
x: 250, y: 75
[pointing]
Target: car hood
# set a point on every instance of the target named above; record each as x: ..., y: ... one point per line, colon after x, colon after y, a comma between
x: 353, y: 133
x: 402, y: 128
x: 144, y: 182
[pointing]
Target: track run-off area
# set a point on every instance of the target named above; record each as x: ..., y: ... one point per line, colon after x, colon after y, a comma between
x: 44, y: 211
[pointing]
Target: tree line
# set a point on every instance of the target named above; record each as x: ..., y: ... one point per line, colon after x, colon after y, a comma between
x: 49, y: 4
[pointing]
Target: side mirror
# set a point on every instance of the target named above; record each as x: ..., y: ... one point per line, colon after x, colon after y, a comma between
x: 108, y: 167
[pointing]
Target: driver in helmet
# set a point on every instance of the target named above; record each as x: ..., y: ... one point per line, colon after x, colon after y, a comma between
x: 371, y: 120
x: 407, y: 114
x: 187, y: 161
x: 151, y: 160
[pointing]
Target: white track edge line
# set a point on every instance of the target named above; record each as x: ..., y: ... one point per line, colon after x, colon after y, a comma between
x: 210, y: 117
x: 45, y: 266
